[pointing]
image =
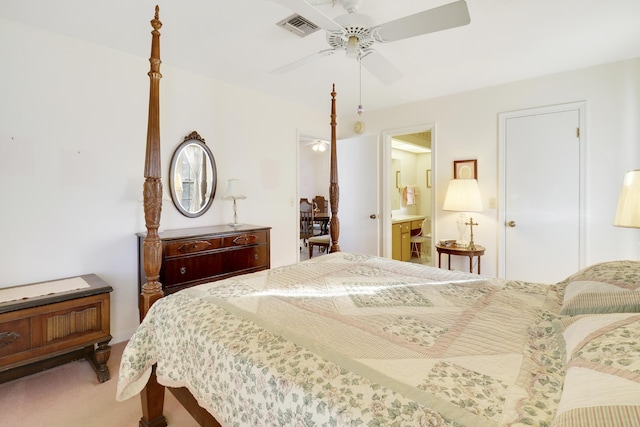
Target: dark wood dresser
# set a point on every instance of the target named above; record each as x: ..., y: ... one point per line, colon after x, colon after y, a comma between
x: 191, y: 256
x: 41, y: 332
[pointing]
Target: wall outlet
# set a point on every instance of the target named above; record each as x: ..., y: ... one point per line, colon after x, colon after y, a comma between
x: 492, y: 202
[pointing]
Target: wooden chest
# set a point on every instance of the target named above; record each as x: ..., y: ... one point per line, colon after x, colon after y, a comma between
x: 44, y: 331
x: 193, y: 256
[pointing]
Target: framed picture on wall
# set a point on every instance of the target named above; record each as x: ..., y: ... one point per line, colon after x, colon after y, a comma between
x: 465, y: 169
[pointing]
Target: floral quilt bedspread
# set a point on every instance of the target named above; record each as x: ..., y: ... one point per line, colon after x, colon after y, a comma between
x: 355, y: 340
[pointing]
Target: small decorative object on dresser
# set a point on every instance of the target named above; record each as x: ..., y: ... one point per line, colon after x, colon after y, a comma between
x: 192, y: 256
x: 233, y: 193
x: 43, y: 325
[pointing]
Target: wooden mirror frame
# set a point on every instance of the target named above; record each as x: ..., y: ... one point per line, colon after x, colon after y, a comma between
x: 200, y: 187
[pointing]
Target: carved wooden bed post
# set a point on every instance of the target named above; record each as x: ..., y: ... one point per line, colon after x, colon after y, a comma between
x: 152, y: 247
x: 153, y: 394
x: 334, y: 189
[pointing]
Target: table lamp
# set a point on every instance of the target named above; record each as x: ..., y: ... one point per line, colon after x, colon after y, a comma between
x: 628, y: 212
x: 463, y: 195
x: 234, y: 193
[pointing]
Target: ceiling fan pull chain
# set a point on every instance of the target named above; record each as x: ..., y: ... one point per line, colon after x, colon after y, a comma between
x: 360, y: 107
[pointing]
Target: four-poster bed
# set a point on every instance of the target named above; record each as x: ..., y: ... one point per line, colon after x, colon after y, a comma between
x: 349, y: 339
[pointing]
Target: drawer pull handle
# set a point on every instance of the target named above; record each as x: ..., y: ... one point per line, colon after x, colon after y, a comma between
x: 255, y: 256
x: 7, y: 338
x: 245, y: 239
x: 183, y: 270
x: 198, y: 245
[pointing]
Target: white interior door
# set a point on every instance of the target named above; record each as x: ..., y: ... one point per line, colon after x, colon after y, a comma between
x: 541, y: 217
x: 359, y: 182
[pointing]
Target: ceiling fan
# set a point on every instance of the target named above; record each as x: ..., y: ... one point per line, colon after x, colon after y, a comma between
x: 355, y: 33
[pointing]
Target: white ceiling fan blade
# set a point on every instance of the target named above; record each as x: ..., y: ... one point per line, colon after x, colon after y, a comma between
x: 377, y: 65
x: 440, y: 18
x: 303, y: 61
x: 301, y: 7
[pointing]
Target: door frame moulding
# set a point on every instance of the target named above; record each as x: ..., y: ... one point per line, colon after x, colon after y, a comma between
x: 581, y: 107
x: 385, y: 209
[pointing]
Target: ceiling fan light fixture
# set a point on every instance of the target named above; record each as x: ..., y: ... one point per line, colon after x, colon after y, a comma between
x: 319, y: 146
x: 352, y: 47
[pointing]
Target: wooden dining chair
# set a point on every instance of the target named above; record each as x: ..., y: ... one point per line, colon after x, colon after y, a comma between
x: 306, y: 220
x: 321, y: 209
x: 321, y: 204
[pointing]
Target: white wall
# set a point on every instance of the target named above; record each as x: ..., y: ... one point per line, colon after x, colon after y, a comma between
x: 73, y: 123
x: 408, y: 176
x: 413, y: 169
x: 467, y: 128
x: 314, y: 171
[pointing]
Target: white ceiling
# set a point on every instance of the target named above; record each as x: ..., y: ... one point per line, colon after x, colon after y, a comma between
x: 238, y: 41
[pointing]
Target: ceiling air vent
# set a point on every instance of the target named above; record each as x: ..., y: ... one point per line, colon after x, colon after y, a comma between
x: 298, y: 25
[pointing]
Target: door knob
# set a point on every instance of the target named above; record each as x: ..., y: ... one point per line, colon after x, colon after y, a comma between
x: 373, y: 216
x: 511, y: 223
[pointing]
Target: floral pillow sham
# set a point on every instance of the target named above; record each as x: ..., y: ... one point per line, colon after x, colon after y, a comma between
x: 602, y: 381
x: 608, y: 287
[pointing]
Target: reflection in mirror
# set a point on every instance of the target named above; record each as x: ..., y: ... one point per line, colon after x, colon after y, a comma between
x: 193, y: 176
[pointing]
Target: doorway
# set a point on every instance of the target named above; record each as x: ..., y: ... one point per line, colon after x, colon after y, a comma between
x: 359, y: 168
x: 409, y: 159
x: 314, y: 157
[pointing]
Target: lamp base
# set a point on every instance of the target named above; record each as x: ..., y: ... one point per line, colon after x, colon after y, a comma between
x: 461, y: 223
x: 233, y: 224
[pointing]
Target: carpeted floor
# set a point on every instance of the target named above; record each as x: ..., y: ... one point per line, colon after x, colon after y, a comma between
x: 70, y: 395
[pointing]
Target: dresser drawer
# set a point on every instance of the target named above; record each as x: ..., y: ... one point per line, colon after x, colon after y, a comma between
x: 192, y: 246
x: 210, y: 266
x: 15, y: 337
x: 244, y: 239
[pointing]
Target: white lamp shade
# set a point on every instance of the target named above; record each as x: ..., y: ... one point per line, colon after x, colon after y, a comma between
x: 234, y: 191
x: 463, y: 195
x: 628, y: 212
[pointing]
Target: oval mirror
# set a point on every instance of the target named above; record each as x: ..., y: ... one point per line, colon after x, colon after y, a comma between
x: 192, y: 176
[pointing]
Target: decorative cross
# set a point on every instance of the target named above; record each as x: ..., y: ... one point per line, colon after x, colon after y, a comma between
x: 472, y: 245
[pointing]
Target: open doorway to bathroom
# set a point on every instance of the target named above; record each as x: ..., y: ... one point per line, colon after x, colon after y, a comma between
x: 410, y: 195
